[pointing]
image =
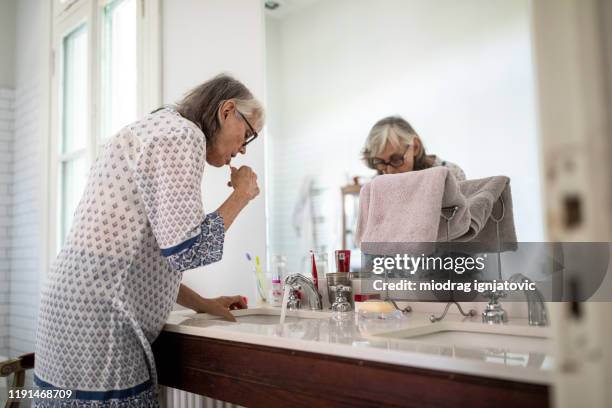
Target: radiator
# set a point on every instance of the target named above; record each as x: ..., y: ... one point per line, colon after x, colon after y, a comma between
x: 173, y: 398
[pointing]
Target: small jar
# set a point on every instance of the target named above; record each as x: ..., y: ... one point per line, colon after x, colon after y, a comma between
x: 277, y: 273
x: 278, y: 266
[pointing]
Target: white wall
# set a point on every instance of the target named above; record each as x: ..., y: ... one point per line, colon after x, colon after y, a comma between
x: 7, y: 42
x: 202, y: 38
x: 6, y: 182
x: 7, y: 83
x: 459, y: 72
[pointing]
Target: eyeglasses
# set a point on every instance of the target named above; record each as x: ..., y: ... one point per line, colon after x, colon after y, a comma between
x: 395, y: 161
x: 253, y: 134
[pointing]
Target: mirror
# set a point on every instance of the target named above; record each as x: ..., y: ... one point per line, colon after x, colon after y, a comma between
x: 460, y: 73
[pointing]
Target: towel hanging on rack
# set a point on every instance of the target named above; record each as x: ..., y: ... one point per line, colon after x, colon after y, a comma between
x: 398, y: 209
x: 487, y: 198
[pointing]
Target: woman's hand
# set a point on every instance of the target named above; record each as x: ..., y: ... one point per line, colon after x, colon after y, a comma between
x: 244, y: 181
x: 232, y: 302
x: 222, y: 305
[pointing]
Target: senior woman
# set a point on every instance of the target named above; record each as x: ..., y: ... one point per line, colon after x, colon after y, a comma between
x: 394, y: 147
x: 138, y: 226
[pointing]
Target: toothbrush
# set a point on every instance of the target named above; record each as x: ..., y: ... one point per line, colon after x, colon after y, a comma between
x: 258, y: 268
x: 315, y: 275
x: 258, y: 276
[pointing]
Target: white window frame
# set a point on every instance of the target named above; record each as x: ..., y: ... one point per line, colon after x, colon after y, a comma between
x: 68, y: 15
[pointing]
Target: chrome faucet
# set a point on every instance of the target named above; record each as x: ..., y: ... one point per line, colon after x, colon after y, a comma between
x: 293, y: 301
x: 494, y: 313
x: 296, y: 280
x: 536, y: 308
x: 341, y: 304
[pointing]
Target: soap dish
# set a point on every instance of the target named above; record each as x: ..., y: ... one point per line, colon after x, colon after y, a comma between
x: 377, y: 309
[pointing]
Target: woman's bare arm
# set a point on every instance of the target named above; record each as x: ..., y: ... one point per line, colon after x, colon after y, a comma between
x: 190, y: 299
x: 231, y: 207
x: 220, y: 306
x: 244, y: 181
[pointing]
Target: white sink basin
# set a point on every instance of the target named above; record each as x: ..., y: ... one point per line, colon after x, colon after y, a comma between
x: 460, y: 338
x: 268, y: 316
x: 505, y: 344
x: 477, y: 335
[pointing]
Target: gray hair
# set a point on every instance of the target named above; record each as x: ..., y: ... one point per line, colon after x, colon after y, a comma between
x: 201, y: 104
x: 395, y: 130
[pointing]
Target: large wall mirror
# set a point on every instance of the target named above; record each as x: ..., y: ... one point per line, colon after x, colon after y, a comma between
x: 461, y: 73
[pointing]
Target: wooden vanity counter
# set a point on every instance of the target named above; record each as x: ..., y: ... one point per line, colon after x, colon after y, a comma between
x: 262, y: 376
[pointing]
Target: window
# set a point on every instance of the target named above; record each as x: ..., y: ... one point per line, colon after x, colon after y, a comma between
x: 99, y: 85
x: 119, y: 66
x: 73, y: 126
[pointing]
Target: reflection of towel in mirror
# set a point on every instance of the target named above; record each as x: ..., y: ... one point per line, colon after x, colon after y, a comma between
x: 484, y: 204
x: 406, y: 207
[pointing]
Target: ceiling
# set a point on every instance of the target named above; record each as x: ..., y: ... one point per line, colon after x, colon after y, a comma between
x: 287, y: 7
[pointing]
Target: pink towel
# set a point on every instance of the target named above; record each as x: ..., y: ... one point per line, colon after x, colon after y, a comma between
x: 398, y: 209
x: 405, y: 208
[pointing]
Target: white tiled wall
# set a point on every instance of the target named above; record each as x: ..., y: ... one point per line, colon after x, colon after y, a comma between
x: 25, y: 220
x: 6, y: 177
x: 27, y: 206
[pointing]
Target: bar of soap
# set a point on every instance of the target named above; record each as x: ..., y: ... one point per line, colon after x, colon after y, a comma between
x: 375, y: 306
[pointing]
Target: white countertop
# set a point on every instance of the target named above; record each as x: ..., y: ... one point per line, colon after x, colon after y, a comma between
x: 359, y: 338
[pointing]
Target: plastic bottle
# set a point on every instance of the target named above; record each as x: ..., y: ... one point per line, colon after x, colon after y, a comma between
x: 279, y: 270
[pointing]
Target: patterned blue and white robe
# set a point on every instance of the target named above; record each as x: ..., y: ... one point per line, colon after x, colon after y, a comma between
x: 138, y: 226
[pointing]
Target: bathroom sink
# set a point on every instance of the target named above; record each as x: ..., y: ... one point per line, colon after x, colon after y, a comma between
x: 505, y: 344
x: 268, y: 316
x: 479, y: 335
x: 265, y: 319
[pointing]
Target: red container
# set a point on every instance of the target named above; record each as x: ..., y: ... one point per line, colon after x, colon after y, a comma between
x: 343, y: 260
x: 363, y: 297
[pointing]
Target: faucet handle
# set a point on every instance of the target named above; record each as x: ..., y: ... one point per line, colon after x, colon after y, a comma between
x: 341, y: 304
x: 294, y: 301
x: 341, y: 288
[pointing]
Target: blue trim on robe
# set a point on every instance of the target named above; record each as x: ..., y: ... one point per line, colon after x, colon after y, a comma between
x: 203, y: 249
x: 98, y: 395
x: 180, y: 247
